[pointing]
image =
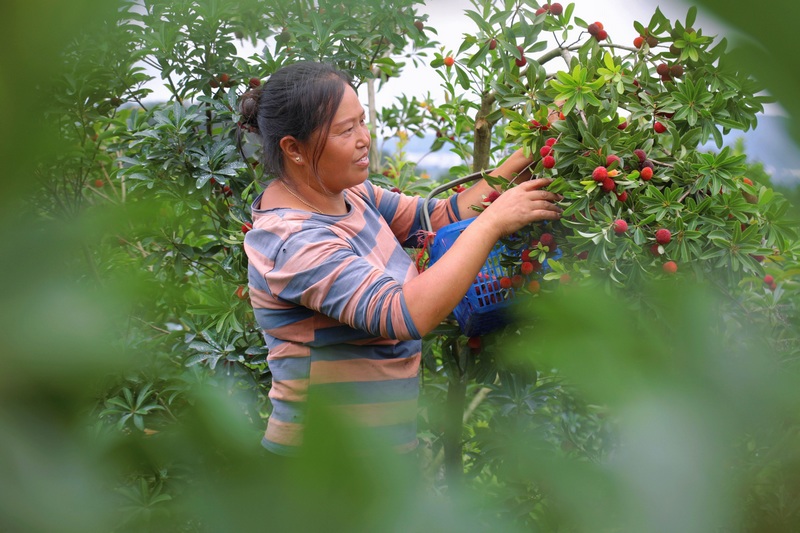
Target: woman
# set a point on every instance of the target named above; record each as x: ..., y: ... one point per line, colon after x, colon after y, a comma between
x: 339, y: 300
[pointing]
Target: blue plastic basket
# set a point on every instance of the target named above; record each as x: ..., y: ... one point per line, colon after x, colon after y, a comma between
x: 485, y: 306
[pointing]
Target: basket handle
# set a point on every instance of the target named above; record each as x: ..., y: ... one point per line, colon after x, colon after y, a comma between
x: 426, y: 216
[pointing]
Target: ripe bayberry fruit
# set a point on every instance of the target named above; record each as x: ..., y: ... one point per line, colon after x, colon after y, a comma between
x: 224, y: 78
x: 662, y: 69
x: 647, y: 173
x: 593, y: 29
x: 521, y: 61
x: 226, y: 190
x: 541, y: 11
x: 474, y: 343
x: 747, y: 181
x: 651, y: 41
x: 611, y: 159
x: 620, y: 226
x: 676, y: 71
x: 548, y: 240
x: 551, y: 141
x: 609, y: 185
x: 491, y: 197
x: 602, y: 35
x: 622, y: 125
x: 659, y: 127
x: 556, y: 9
x: 534, y: 286
x: 492, y: 44
x: 583, y: 255
x: 655, y: 249
x: 600, y: 174
x: 419, y: 25
x: 769, y: 280
x: 545, y: 150
x: 548, y: 161
x: 517, y: 281
x: 663, y: 236
x: 623, y: 196
x: 526, y: 268
x: 670, y: 267
x: 565, y: 278
x: 505, y: 282
x: 638, y: 42
x: 241, y: 292
x: 246, y: 227
x: 641, y: 155
x: 449, y: 61
x: 254, y: 82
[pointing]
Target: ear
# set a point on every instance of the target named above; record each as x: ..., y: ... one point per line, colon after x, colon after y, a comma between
x: 292, y: 150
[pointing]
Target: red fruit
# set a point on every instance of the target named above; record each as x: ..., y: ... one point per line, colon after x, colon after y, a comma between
x: 611, y: 159
x: 525, y: 255
x: 526, y: 268
x: 641, y: 155
x: 663, y: 236
x: 246, y: 227
x: 492, y: 44
x: 213, y: 83
x: 505, y: 282
x: 534, y: 286
x: 638, y: 42
x: 659, y: 127
x: 623, y: 196
x: 759, y: 258
x: 241, y: 292
x: 769, y: 280
x: 545, y: 150
x: 226, y: 190
x: 622, y: 125
x: 647, y: 173
x: 99, y: 183
x: 565, y: 278
x: 395, y: 189
x: 670, y: 267
x: 551, y: 141
x: 773, y: 286
x: 548, y: 240
x: 651, y: 41
x: 491, y: 197
x: 609, y: 185
x: 549, y: 161
x: 521, y: 61
x: 620, y: 226
x: 662, y: 69
x: 556, y: 9
x: 419, y: 25
x: 448, y: 61
x: 748, y: 181
x: 474, y: 343
x: 517, y: 281
x: 654, y: 250
x: 254, y: 82
x: 541, y: 10
x: 602, y: 35
x: 593, y: 28
x: 600, y: 174
x: 676, y: 71
x: 224, y: 78
x: 583, y: 255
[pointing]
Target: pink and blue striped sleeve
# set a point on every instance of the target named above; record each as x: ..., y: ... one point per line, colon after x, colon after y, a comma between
x: 318, y: 270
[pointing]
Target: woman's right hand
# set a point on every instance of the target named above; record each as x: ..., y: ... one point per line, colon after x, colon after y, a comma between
x: 521, y: 205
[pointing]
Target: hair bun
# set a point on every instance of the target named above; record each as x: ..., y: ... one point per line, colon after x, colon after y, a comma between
x: 248, y: 107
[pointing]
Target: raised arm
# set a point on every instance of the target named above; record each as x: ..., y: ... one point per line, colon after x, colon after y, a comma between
x: 433, y: 295
x: 515, y: 168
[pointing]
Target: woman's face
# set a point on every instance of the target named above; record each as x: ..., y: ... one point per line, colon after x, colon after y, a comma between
x: 344, y: 161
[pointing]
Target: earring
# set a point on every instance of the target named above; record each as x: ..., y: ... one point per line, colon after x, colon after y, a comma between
x: 297, y: 159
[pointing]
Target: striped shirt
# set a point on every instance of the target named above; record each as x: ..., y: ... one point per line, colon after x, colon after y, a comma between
x: 327, y: 293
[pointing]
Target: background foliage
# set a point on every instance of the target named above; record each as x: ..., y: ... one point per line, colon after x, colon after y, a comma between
x: 134, y: 382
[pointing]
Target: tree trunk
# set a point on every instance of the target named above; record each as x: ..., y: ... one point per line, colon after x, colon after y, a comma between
x: 483, y: 133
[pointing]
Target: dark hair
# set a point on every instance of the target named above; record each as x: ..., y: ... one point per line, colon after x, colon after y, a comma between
x: 296, y: 100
